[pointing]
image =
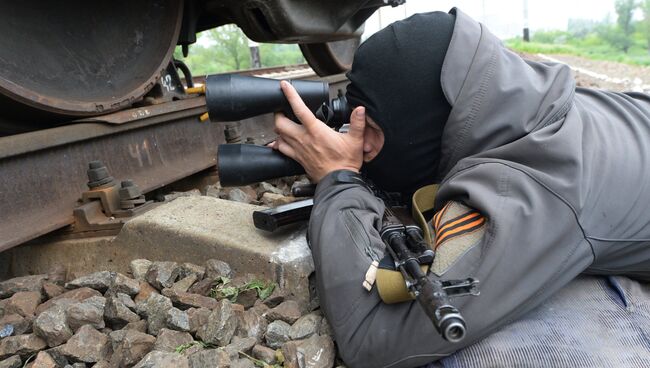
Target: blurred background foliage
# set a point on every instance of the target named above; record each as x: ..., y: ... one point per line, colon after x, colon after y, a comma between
x: 622, y: 38
x: 226, y: 48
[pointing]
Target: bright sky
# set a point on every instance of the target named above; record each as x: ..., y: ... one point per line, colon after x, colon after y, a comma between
x: 505, y: 18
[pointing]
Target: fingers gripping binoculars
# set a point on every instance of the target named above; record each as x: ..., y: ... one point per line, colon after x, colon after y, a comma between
x: 232, y: 97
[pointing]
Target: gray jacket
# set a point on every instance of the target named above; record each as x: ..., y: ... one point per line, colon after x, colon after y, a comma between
x: 561, y: 174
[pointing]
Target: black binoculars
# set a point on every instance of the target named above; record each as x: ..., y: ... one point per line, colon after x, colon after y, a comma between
x: 233, y: 97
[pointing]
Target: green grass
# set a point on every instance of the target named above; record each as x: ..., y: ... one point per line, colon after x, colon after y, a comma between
x: 637, y: 54
x: 537, y: 47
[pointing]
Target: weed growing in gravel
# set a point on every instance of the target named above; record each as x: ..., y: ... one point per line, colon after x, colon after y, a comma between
x: 204, y: 345
x: 29, y: 359
x: 223, y: 291
x: 263, y: 364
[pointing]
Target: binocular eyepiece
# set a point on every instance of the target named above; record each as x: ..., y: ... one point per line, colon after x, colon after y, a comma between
x: 231, y: 97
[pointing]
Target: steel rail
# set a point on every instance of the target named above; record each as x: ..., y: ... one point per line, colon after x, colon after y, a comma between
x: 43, y: 173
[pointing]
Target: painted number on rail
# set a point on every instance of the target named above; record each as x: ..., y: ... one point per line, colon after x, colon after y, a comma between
x: 168, y: 83
x: 140, y: 152
x: 140, y: 113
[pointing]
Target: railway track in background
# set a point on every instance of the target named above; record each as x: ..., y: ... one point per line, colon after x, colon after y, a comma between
x: 44, y: 173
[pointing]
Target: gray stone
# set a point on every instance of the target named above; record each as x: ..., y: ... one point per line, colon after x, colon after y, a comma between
x: 276, y: 297
x: 116, y: 337
x: 57, y: 274
x: 102, y: 364
x: 187, y: 300
x: 155, y: 309
x: 317, y: 350
x: 139, y: 268
x: 52, y: 290
x: 52, y: 325
x: 117, y: 313
x: 221, y: 325
x: 277, y: 334
x: 131, y: 348
x: 174, y: 195
x: 169, y: 340
x: 178, y: 320
x: 215, y: 269
x: 242, y: 363
x: 305, y: 326
x: 44, y: 360
x: 184, y: 284
x: 100, y: 281
x: 325, y: 328
x: 23, y: 283
x: 23, y: 345
x: 162, y: 275
x: 21, y: 325
x: 140, y: 326
x: 198, y: 317
x: 247, y: 298
x: 209, y: 358
x: 238, y: 195
x: 76, y: 295
x: 23, y: 303
x: 79, y: 365
x: 252, y: 324
x: 239, y: 344
x: 12, y: 362
x: 124, y: 284
x: 90, y: 311
x: 287, y: 311
x: 186, y: 269
x: 57, y: 354
x: 202, y: 287
x: 126, y: 300
x: 265, y: 187
x: 265, y: 354
x: 3, y: 302
x: 274, y: 200
x: 162, y: 359
x: 214, y: 190
x: 145, y: 291
x: 87, y: 345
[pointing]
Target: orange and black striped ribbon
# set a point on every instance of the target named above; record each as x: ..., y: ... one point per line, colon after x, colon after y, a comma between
x: 459, y: 225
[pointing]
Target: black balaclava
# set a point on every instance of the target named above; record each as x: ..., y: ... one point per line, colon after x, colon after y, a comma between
x: 396, y: 76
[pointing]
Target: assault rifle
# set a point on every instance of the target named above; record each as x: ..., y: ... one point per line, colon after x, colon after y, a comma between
x: 409, y: 253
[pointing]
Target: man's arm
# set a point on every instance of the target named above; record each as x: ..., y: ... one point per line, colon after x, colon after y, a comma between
x: 531, y: 247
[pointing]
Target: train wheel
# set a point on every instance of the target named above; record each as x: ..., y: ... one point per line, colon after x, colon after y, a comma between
x: 330, y: 57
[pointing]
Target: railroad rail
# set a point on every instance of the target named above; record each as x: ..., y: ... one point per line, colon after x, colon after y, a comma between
x: 44, y: 173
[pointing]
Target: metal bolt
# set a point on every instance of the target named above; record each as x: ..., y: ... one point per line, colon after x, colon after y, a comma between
x: 129, y: 190
x: 98, y: 175
x: 232, y: 133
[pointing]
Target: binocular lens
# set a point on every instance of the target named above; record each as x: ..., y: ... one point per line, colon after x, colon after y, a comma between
x: 243, y: 164
x: 231, y: 97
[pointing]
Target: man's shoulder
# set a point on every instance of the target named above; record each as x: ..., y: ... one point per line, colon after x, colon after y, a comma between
x: 456, y: 229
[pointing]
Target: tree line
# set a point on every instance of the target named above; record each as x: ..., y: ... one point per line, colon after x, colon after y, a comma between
x: 623, y: 36
x: 228, y: 50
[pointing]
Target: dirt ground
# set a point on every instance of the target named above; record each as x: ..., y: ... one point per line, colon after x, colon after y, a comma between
x: 602, y: 74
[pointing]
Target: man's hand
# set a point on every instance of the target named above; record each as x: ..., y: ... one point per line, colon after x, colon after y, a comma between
x: 317, y: 147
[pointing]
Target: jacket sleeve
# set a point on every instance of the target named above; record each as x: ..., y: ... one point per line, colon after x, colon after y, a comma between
x: 532, y: 246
